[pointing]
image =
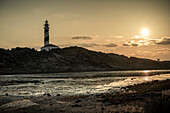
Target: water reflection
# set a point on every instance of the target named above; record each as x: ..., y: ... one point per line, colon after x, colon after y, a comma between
x: 146, y: 78
x: 73, y: 83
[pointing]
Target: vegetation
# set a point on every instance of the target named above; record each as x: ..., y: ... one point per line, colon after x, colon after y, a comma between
x: 26, y: 60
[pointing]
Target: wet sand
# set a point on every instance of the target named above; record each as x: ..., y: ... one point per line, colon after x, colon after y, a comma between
x: 150, y: 97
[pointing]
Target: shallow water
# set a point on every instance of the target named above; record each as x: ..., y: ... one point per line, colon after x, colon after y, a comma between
x: 75, y: 83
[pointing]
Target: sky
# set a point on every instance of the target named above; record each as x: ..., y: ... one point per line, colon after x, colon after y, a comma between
x: 110, y: 26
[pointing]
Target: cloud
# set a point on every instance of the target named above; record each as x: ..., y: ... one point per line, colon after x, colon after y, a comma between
x: 125, y: 44
x: 138, y: 37
x: 82, y: 37
x: 89, y: 45
x: 138, y: 40
x: 163, y: 41
x: 111, y: 45
x: 134, y: 44
x: 119, y: 37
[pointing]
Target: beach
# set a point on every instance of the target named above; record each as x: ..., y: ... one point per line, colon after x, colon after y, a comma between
x: 149, y: 97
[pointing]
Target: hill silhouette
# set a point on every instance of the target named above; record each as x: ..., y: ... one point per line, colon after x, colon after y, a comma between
x: 26, y: 60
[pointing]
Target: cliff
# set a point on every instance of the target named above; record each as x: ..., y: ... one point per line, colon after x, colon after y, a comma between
x: 26, y: 60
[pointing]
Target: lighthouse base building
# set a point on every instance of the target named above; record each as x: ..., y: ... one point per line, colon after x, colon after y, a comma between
x: 47, y: 46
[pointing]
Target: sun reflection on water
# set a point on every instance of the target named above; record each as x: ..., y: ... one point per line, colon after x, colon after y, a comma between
x: 146, y: 71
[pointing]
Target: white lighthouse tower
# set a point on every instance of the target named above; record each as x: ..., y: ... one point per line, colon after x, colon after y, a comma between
x: 47, y: 46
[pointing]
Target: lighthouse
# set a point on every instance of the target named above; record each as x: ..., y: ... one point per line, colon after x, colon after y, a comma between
x: 47, y: 46
x: 46, y: 33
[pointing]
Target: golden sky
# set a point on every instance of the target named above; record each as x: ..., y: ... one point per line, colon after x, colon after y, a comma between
x: 111, y: 26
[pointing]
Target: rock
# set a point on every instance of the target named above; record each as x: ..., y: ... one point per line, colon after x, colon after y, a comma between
x: 44, y: 94
x: 58, y: 95
x: 6, y: 94
x: 77, y: 101
x: 48, y: 94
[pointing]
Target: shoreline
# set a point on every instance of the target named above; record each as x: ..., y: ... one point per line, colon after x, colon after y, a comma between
x: 82, y: 71
x: 146, y: 97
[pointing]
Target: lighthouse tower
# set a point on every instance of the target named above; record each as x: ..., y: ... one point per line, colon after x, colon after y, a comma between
x: 46, y: 33
x: 47, y: 46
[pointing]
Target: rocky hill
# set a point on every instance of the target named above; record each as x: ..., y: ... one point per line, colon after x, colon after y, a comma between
x: 26, y: 60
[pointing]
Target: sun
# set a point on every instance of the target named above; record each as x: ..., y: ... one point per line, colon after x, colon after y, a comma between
x: 145, y: 32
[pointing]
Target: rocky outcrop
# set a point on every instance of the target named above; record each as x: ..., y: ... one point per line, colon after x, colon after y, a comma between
x: 26, y: 60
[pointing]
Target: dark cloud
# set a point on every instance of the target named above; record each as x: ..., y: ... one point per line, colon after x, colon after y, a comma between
x: 111, y: 45
x: 89, y: 45
x: 134, y: 44
x: 163, y: 41
x: 82, y: 37
x: 125, y: 44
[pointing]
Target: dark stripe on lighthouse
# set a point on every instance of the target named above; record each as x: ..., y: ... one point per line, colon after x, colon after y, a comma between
x: 46, y: 35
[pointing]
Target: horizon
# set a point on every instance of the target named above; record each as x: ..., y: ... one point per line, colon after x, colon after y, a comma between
x: 132, y: 28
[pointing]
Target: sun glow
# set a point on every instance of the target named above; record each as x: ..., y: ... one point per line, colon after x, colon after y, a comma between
x: 145, y: 32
